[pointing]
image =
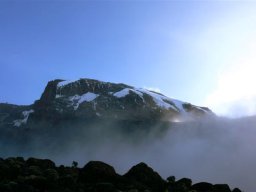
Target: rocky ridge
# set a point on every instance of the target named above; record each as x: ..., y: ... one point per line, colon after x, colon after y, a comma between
x: 92, y: 99
x: 35, y: 175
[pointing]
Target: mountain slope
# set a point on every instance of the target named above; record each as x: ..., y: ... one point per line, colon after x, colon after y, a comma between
x: 89, y: 99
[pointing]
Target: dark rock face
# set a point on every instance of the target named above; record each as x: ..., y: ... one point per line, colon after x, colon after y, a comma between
x: 147, y: 176
x: 82, y: 86
x: 50, y: 92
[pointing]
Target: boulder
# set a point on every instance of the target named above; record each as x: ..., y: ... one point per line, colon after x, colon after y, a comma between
x: 236, y: 190
x: 145, y: 175
x: 42, y: 163
x: 202, y: 187
x: 186, y: 181
x: 221, y: 188
x: 171, y: 179
x: 97, y: 171
x: 182, y: 185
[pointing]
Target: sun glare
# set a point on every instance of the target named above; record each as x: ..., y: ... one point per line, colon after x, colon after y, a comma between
x: 236, y: 85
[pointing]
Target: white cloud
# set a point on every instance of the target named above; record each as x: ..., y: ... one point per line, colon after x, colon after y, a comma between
x: 235, y: 94
x: 155, y: 89
x: 229, y: 45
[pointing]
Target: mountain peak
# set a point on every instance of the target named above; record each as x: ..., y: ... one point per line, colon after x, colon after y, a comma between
x: 89, y: 97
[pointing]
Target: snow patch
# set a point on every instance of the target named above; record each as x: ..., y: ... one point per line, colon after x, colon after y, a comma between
x: 202, y: 109
x: 179, y: 105
x: 66, y: 82
x: 159, y: 99
x: 58, y: 96
x: 19, y: 122
x: 77, y: 99
x: 126, y: 92
x: 122, y: 93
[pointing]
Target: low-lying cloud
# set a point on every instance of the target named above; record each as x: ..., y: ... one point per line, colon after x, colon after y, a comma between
x: 217, y: 150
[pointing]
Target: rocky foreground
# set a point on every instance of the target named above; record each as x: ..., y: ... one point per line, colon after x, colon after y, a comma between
x: 42, y: 175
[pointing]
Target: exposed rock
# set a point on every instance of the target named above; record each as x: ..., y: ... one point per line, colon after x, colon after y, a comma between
x: 42, y: 163
x: 202, y: 187
x: 50, y: 92
x: 171, y: 179
x: 147, y: 176
x: 182, y: 185
x: 236, y: 190
x: 51, y: 175
x: 221, y: 188
x: 19, y: 175
x: 97, y: 171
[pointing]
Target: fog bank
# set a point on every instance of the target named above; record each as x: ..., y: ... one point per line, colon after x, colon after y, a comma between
x: 217, y: 150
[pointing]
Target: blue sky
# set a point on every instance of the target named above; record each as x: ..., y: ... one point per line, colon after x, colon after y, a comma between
x: 185, y: 49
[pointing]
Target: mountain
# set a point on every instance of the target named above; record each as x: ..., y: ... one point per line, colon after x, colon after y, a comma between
x: 87, y: 99
x: 88, y: 112
x: 87, y: 120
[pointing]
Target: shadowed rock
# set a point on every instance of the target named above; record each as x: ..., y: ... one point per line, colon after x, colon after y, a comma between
x: 221, y: 188
x: 236, y: 190
x: 202, y: 187
x: 42, y: 163
x: 145, y: 175
x: 97, y: 171
x: 183, y: 185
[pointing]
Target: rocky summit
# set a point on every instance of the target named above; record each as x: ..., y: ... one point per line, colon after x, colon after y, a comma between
x: 87, y: 99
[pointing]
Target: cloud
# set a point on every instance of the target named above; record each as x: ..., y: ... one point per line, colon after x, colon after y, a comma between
x: 155, y: 89
x: 235, y: 93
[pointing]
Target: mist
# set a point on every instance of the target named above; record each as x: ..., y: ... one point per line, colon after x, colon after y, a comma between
x: 216, y: 150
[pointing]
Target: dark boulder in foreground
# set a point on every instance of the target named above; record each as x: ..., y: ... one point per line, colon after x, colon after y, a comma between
x: 236, y: 190
x: 145, y: 175
x: 202, y: 186
x: 41, y: 175
x: 182, y: 185
x: 221, y: 188
x: 97, y: 171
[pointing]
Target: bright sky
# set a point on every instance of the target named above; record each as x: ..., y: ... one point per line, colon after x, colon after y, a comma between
x: 201, y: 52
